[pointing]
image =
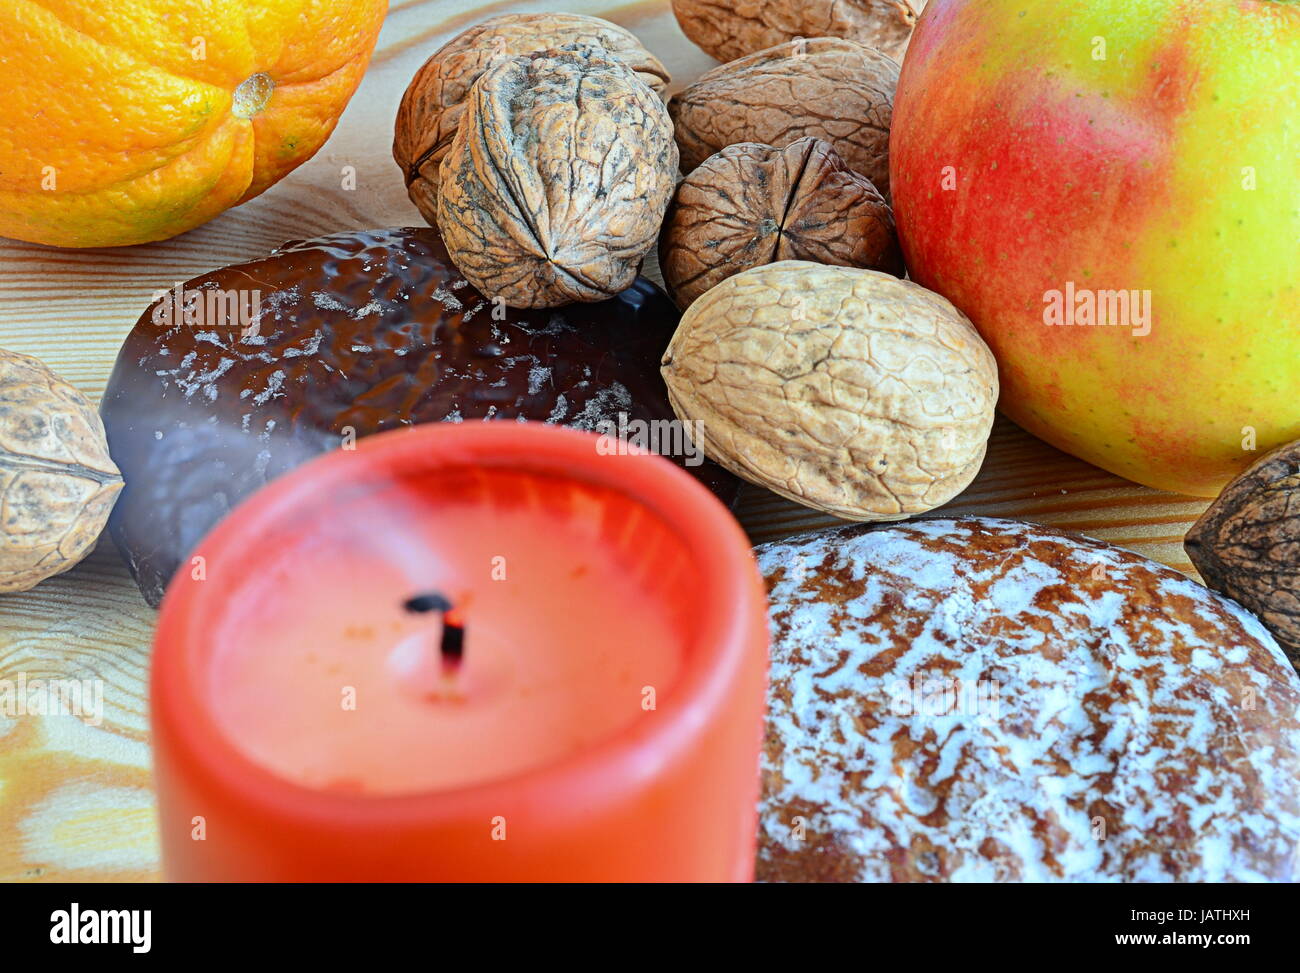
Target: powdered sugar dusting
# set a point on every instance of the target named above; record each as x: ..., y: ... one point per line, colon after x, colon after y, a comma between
x: 1097, y: 716
x: 603, y: 406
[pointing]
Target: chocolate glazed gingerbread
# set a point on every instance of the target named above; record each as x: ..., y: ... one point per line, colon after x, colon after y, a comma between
x: 260, y: 366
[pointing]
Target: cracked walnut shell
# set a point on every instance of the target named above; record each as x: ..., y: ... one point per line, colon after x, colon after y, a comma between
x: 824, y: 87
x: 434, y: 101
x: 846, y: 390
x: 754, y: 204
x: 728, y: 30
x: 57, y: 482
x: 1247, y: 544
x: 555, y: 186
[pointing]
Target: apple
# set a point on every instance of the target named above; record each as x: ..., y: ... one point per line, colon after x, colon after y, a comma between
x: 1110, y: 190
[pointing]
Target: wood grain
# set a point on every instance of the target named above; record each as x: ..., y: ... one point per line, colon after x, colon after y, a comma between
x: 76, y: 801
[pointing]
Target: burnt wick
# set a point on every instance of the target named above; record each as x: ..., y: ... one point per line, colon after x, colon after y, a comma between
x: 452, y: 644
x: 429, y: 602
x: 451, y: 647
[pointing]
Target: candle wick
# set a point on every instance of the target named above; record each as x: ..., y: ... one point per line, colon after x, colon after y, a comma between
x: 431, y: 601
x: 451, y: 646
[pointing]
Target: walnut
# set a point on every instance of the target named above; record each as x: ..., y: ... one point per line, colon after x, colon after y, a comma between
x: 728, y: 30
x: 825, y: 87
x: 754, y: 204
x: 556, y: 183
x: 57, y: 482
x: 434, y: 101
x: 1247, y: 544
x: 846, y: 390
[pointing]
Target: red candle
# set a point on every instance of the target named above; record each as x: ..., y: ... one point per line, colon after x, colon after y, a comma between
x: 556, y: 649
x: 464, y: 652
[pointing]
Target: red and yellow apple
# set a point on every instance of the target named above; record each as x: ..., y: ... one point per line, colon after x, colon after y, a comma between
x: 1137, y: 162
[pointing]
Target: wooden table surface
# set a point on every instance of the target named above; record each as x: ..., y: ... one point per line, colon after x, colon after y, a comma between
x: 76, y: 802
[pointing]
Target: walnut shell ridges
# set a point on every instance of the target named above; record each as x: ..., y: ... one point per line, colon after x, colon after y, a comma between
x: 824, y: 87
x: 753, y: 204
x: 728, y: 30
x: 57, y: 481
x: 556, y: 183
x: 1247, y: 544
x: 846, y: 390
x: 434, y: 101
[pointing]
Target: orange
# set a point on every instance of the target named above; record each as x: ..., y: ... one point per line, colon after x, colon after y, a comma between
x: 126, y: 121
